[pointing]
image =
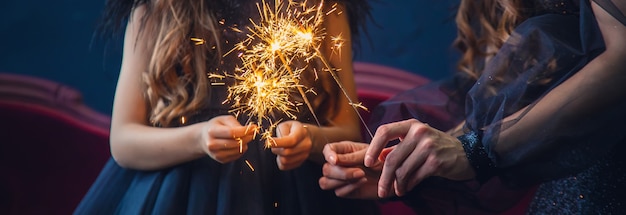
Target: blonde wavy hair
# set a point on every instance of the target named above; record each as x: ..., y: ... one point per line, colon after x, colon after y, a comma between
x: 483, y: 26
x: 176, y: 78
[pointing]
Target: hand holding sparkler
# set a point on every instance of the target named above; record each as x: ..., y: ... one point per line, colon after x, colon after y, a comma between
x: 292, y: 145
x: 291, y: 41
x: 224, y: 139
x: 278, y: 50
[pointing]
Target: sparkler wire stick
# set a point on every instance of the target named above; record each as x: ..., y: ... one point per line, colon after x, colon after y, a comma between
x: 343, y: 90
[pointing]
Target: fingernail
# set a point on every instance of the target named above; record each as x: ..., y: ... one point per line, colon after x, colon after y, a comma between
x: 332, y: 159
x: 382, y: 193
x: 368, y: 160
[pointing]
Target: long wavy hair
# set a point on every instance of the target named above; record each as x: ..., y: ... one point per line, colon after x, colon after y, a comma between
x: 483, y: 26
x: 177, y: 65
x: 175, y: 83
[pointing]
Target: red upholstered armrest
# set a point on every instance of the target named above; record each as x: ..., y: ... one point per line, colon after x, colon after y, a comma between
x: 376, y: 83
x: 52, y: 146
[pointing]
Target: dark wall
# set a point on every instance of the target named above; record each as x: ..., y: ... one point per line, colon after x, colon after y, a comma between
x: 414, y: 35
x: 54, y: 40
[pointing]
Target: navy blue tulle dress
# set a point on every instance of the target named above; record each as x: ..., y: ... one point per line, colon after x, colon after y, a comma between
x: 204, y: 186
x: 570, y: 145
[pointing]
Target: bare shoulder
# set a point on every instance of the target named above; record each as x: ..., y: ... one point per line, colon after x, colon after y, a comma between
x: 610, y: 17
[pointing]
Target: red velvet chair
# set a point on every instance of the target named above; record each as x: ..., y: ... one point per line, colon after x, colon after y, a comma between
x: 52, y: 146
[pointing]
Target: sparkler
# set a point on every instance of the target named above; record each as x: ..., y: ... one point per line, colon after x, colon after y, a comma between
x: 277, y: 50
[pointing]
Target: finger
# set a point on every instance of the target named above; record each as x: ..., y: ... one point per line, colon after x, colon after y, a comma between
x: 351, y: 190
x: 227, y: 132
x: 287, y: 163
x: 327, y: 183
x: 418, y: 176
x: 342, y: 173
x: 291, y: 157
x: 291, y: 134
x: 330, y: 154
x: 282, y: 142
x: 242, y: 131
x: 245, y: 139
x: 387, y: 176
x: 228, y: 156
x: 418, y: 148
x: 383, y: 135
x: 284, y: 129
x: 330, y: 183
x: 343, y: 147
x: 228, y: 120
x: 289, y: 152
x: 385, y: 152
x: 394, y: 159
x: 351, y: 159
x: 404, y: 178
x: 345, y: 153
x: 224, y: 145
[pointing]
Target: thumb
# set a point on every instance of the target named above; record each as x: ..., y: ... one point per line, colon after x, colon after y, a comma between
x: 241, y: 131
x: 284, y: 129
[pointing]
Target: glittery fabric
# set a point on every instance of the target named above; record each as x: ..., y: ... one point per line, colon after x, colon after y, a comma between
x: 477, y: 156
x: 597, y: 190
x: 565, y: 7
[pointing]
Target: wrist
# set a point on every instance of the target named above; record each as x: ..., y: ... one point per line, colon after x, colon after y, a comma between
x: 198, y: 146
x: 478, y: 158
x: 315, y: 154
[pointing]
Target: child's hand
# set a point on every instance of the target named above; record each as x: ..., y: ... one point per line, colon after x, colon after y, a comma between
x: 344, y: 171
x: 225, y: 139
x: 292, y: 144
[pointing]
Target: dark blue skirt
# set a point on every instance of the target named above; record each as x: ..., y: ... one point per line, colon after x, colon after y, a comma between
x: 205, y: 186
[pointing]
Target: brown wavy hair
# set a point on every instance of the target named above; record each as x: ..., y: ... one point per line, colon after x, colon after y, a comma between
x: 483, y: 26
x: 176, y: 81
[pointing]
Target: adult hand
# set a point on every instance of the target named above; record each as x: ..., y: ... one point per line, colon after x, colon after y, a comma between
x: 292, y: 144
x: 224, y: 139
x: 344, y: 171
x: 423, y: 151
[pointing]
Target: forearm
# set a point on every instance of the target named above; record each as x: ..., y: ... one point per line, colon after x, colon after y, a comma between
x: 143, y: 147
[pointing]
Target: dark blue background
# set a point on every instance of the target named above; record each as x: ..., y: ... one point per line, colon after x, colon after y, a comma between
x: 54, y: 40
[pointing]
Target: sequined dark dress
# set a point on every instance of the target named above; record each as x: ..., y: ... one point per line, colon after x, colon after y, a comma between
x: 572, y: 146
x: 206, y: 187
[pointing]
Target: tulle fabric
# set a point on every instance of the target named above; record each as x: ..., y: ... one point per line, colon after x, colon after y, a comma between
x: 531, y: 138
